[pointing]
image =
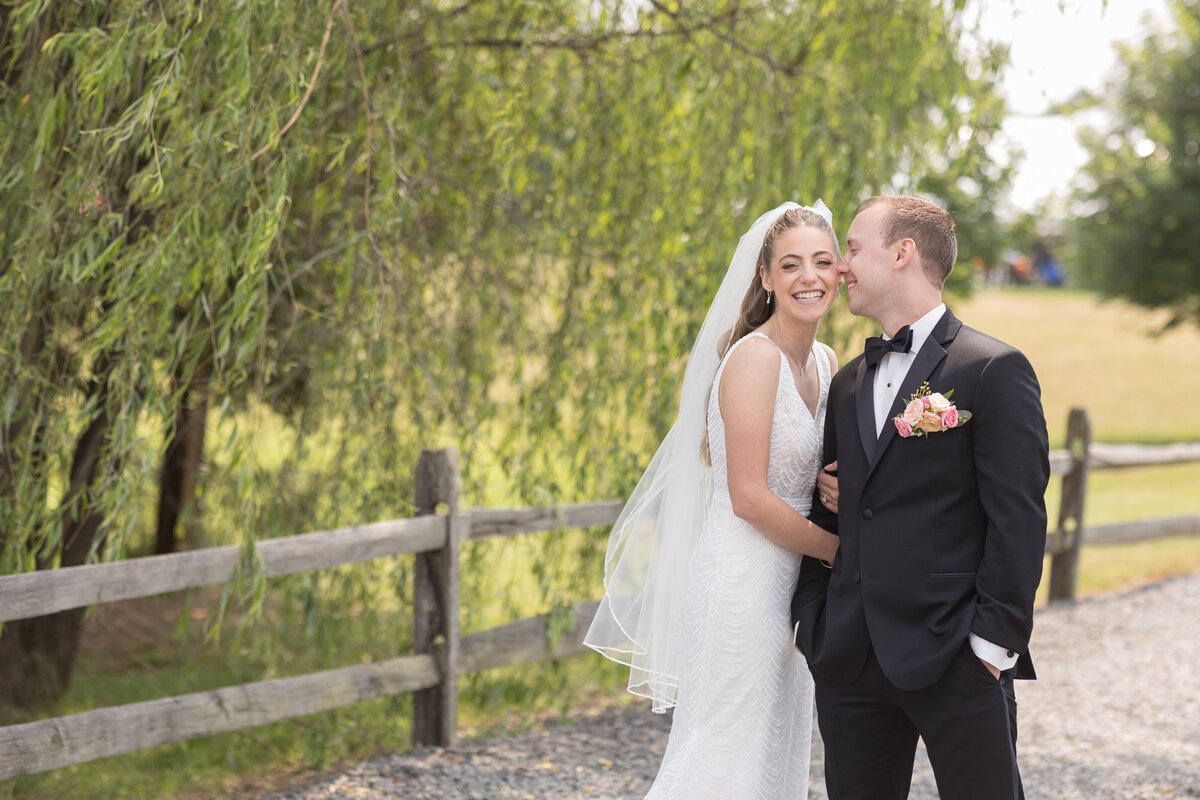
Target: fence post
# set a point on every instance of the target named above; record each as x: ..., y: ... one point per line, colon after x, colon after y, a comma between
x: 1064, y: 563
x: 435, y: 599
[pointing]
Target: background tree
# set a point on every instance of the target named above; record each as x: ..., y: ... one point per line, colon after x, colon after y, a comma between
x: 1134, y: 235
x: 971, y: 186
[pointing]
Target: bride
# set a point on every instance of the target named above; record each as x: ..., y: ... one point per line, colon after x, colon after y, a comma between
x: 702, y: 561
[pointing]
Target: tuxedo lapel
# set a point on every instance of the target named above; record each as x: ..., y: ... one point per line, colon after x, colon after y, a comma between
x: 864, y: 407
x: 932, y: 353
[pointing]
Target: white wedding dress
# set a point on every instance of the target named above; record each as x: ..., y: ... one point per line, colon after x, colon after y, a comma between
x: 743, y: 721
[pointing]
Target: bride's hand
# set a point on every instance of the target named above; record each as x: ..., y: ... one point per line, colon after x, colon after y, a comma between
x: 827, y: 486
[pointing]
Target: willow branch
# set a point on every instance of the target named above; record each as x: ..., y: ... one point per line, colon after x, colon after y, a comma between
x: 312, y: 82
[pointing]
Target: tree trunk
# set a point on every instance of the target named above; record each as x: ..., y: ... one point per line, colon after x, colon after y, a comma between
x: 181, y: 462
x: 37, y: 655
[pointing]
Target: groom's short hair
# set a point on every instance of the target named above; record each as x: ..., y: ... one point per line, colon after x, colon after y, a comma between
x: 927, y: 224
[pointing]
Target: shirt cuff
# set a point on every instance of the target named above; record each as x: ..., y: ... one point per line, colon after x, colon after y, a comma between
x: 1000, y: 657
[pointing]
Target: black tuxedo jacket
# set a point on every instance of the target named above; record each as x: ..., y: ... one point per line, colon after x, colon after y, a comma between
x: 941, y: 535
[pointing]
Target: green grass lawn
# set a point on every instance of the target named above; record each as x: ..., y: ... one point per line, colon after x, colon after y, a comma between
x: 1137, y: 387
x: 1101, y: 356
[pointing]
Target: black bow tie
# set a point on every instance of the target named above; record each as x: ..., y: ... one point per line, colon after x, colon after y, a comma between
x: 878, y: 347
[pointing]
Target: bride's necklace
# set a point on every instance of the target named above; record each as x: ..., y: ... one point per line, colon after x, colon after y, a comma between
x: 803, y: 365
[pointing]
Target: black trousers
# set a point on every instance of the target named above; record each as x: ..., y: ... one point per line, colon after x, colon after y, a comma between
x: 968, y: 721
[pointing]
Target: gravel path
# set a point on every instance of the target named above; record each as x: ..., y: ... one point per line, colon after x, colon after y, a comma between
x: 1115, y: 714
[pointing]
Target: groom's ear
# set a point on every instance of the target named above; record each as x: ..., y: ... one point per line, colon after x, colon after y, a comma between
x: 906, y: 250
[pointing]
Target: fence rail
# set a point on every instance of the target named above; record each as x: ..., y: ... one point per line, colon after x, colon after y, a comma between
x: 441, y: 652
x: 33, y: 594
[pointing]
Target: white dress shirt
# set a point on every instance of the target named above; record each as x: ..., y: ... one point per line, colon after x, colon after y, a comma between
x: 894, y: 366
x: 888, y: 377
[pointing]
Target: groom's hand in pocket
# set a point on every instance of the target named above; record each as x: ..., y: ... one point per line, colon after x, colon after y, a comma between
x: 992, y: 669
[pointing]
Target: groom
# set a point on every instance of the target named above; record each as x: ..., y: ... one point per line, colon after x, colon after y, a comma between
x: 923, y: 621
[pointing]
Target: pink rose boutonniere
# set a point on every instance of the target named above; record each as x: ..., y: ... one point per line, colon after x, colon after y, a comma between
x: 929, y: 412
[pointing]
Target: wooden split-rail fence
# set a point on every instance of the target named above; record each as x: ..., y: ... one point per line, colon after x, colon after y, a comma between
x: 441, y: 652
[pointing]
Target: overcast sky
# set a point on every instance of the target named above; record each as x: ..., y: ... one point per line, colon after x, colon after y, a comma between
x: 1055, y: 53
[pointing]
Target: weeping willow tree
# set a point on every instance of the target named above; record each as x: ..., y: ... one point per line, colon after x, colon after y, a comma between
x: 321, y: 236
x: 120, y: 279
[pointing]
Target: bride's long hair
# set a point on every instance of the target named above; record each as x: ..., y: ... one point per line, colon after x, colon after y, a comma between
x: 755, y: 309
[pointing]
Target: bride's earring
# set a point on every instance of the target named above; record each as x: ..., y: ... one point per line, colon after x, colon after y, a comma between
x: 768, y: 297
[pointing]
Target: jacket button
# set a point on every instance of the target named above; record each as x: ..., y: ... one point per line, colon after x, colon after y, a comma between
x: 868, y: 513
x: 857, y: 576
